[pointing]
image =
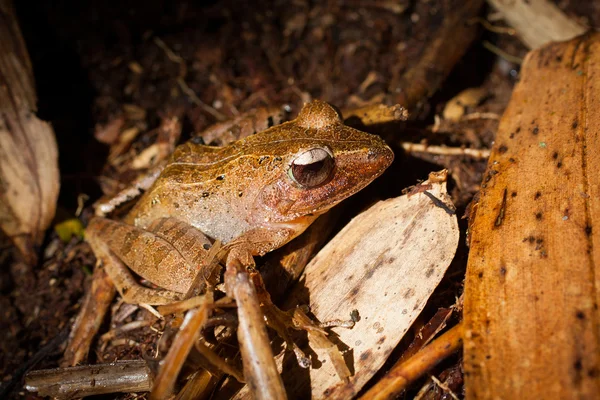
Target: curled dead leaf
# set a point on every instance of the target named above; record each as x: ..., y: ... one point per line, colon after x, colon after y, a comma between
x: 29, y: 177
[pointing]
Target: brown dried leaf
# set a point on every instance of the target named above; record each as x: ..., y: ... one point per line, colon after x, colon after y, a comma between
x: 29, y: 178
x: 532, y: 286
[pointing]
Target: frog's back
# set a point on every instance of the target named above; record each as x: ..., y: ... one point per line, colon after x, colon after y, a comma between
x: 193, y: 188
x: 278, y: 180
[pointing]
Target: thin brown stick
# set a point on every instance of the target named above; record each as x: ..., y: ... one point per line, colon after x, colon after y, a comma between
x: 173, y: 362
x: 260, y: 370
x: 199, y: 386
x: 402, y: 375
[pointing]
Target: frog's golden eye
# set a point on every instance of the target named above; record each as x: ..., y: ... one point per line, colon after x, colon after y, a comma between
x: 312, y: 168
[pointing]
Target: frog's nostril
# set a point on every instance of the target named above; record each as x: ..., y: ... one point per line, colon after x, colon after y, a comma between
x: 380, y: 155
x: 372, y: 154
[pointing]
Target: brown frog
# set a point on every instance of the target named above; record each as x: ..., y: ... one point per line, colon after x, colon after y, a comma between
x: 254, y: 196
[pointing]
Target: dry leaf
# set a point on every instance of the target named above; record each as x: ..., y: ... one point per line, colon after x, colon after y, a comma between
x: 537, y: 22
x: 385, y: 263
x: 29, y: 178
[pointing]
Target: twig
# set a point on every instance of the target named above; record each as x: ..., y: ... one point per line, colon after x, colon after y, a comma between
x: 87, y: 380
x: 181, y: 306
x: 443, y: 386
x: 196, y: 100
x: 124, y: 328
x: 493, y: 28
x: 501, y: 53
x: 399, y: 377
x: 445, y: 151
x: 173, y: 362
x: 151, y: 310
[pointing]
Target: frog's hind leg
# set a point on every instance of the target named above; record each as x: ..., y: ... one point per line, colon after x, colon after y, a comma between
x: 168, y: 254
x: 131, y: 291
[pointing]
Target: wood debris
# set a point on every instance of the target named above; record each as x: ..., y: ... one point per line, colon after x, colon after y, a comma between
x: 531, y: 294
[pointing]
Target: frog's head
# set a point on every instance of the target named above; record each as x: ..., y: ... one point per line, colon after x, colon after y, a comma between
x: 317, y: 161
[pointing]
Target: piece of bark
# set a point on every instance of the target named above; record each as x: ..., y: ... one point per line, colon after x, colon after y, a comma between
x: 88, y: 380
x: 385, y: 263
x: 537, y: 22
x: 29, y: 177
x: 531, y: 293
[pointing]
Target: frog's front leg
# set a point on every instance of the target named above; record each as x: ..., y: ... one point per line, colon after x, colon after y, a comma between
x: 168, y: 254
x: 260, y: 370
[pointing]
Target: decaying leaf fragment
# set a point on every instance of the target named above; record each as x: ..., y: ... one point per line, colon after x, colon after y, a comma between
x: 385, y: 263
x: 29, y: 179
x: 532, y: 286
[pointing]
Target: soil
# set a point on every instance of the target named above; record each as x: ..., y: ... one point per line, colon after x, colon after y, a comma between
x: 133, y: 64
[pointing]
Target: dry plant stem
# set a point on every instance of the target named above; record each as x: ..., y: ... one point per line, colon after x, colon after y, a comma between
x: 399, y: 377
x: 214, y: 359
x: 537, y: 22
x: 321, y: 341
x: 179, y: 350
x: 277, y: 319
x: 181, y: 306
x: 198, y: 387
x: 445, y: 151
x: 444, y: 387
x: 501, y: 53
x: 532, y: 286
x: 260, y: 370
x: 96, y: 303
x: 89, y: 380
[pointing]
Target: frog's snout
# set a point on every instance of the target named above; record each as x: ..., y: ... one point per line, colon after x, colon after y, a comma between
x: 380, y: 157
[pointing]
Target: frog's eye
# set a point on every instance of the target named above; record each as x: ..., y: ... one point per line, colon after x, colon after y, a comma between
x: 312, y: 168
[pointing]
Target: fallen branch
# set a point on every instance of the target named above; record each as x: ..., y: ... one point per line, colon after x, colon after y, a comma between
x: 88, y: 380
x: 404, y: 374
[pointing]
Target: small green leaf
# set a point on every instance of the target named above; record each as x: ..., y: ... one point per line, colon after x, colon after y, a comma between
x: 69, y: 228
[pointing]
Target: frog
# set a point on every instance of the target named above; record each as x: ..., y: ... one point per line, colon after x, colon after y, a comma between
x: 253, y: 196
